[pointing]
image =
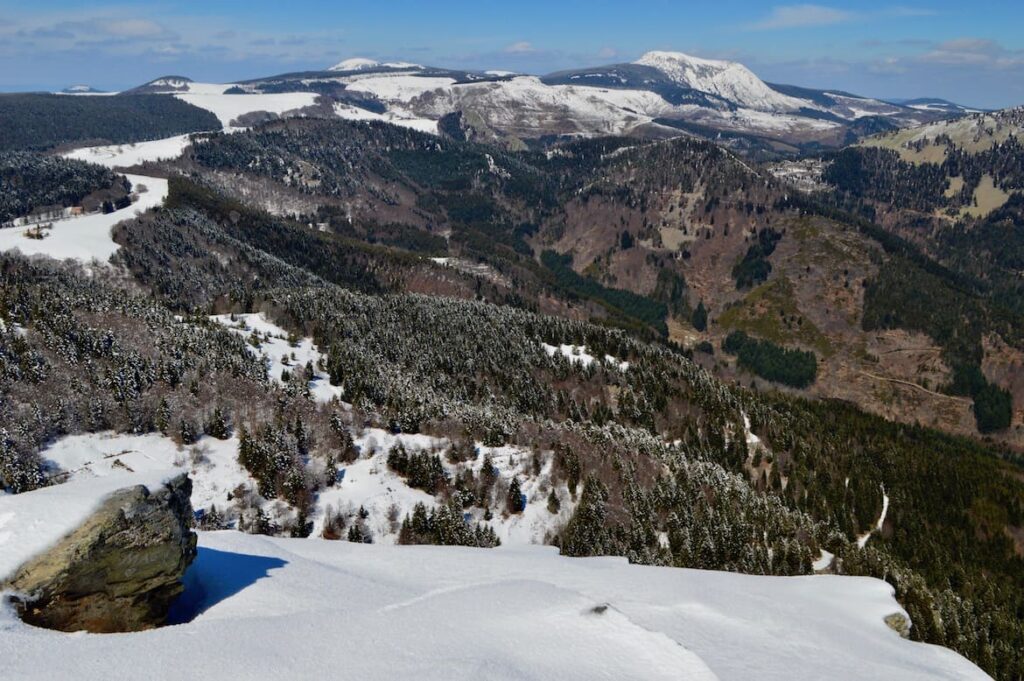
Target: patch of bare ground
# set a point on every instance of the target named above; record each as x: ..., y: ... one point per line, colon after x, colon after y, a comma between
x: 683, y: 334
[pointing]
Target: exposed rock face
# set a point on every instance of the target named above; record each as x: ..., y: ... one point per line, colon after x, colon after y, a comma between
x: 120, y: 570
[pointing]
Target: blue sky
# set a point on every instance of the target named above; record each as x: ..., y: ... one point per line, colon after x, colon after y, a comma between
x: 972, y: 52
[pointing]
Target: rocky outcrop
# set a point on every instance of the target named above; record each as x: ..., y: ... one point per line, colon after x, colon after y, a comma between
x: 118, y: 571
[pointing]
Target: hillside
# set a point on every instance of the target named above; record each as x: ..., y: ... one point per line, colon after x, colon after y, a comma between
x: 654, y: 230
x: 37, y: 122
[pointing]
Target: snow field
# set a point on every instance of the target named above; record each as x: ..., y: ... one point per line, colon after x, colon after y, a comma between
x: 229, y: 107
x: 260, y: 607
x: 126, y: 155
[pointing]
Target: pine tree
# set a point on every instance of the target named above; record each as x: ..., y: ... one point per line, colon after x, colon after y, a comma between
x: 554, y: 505
x: 217, y: 426
x: 516, y: 498
x: 163, y: 416
x: 585, y: 535
x: 188, y: 433
x: 700, y: 317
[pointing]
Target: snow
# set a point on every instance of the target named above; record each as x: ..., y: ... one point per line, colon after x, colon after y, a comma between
x: 399, y: 88
x: 368, y: 483
x: 753, y: 441
x: 355, y: 113
x: 31, y: 523
x: 355, y: 64
x: 259, y: 607
x: 862, y: 540
x: 305, y: 608
x: 88, y: 237
x: 229, y: 107
x: 362, y: 64
x: 282, y: 355
x: 169, y: 83
x: 535, y: 523
x: 730, y: 80
x: 211, y: 463
x: 85, y: 91
x: 127, y: 155
x: 762, y: 120
x: 824, y: 561
x: 527, y: 102
x: 578, y: 354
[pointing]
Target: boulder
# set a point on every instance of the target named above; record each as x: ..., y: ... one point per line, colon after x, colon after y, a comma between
x: 120, y: 570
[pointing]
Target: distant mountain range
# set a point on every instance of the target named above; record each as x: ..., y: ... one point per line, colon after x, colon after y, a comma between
x: 662, y: 94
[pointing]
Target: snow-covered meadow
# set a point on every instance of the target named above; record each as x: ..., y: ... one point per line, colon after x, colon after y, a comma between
x: 85, y: 238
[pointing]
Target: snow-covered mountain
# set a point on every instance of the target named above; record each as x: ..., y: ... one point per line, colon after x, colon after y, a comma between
x: 83, y: 90
x: 661, y: 94
x: 936, y: 104
x: 729, y: 80
x: 364, y: 64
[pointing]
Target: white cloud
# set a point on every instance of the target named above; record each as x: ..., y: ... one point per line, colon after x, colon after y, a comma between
x: 521, y: 47
x: 978, y: 52
x: 134, y: 28
x: 810, y: 15
x: 801, y: 16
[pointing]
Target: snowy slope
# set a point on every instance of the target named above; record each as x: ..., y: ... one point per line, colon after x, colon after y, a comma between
x: 525, y: 103
x: 127, y: 155
x: 730, y: 80
x: 365, y: 483
x: 212, y: 464
x: 354, y: 113
x: 281, y: 355
x: 88, y: 237
x: 229, y: 107
x: 257, y: 607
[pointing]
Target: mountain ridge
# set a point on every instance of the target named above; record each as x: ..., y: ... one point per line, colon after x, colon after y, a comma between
x: 660, y: 94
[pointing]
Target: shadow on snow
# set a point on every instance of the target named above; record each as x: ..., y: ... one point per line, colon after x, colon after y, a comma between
x: 215, y: 576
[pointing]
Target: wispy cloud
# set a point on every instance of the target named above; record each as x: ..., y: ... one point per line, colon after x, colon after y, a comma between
x: 521, y: 47
x: 809, y: 15
x: 976, y: 52
x: 801, y: 16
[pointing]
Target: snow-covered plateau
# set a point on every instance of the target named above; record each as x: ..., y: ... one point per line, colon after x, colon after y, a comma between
x: 259, y: 607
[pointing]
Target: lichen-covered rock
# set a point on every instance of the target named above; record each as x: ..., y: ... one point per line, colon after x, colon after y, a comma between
x: 119, y: 570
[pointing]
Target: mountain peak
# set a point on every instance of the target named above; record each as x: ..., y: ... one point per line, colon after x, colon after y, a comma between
x: 81, y: 90
x: 355, y: 64
x: 656, y: 58
x: 363, y: 64
x: 727, y: 79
